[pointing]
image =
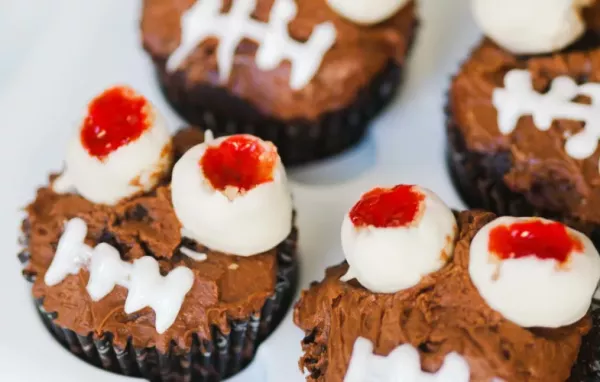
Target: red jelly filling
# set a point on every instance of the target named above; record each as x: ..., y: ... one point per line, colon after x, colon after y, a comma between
x: 387, y: 207
x: 115, y: 118
x: 533, y: 238
x: 240, y: 161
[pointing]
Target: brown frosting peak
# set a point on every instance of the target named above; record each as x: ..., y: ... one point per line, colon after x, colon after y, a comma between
x: 444, y: 313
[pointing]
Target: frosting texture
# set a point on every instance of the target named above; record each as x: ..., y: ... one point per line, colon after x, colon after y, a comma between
x: 122, y: 148
x: 245, y: 213
x: 545, y: 277
x: 394, y: 236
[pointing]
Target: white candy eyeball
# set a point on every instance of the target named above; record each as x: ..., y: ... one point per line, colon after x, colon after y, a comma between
x: 533, y: 271
x: 394, y: 236
x: 231, y: 194
x: 366, y: 12
x: 531, y: 26
x: 122, y: 148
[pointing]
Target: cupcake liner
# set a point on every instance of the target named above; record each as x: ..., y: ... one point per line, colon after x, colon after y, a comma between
x: 207, y: 360
x: 298, y: 140
x: 479, y: 179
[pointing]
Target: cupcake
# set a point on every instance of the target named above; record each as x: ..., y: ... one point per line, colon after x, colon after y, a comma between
x: 168, y: 258
x: 427, y: 294
x: 306, y: 75
x: 522, y: 138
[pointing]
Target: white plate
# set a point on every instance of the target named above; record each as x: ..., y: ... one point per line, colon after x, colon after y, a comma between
x: 83, y: 46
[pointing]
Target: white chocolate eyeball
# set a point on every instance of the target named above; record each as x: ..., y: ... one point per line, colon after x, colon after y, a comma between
x: 122, y: 148
x: 366, y: 12
x: 531, y: 26
x: 533, y: 271
x: 231, y: 195
x: 394, y: 236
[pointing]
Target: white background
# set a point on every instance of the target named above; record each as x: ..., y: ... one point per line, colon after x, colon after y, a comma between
x: 55, y: 55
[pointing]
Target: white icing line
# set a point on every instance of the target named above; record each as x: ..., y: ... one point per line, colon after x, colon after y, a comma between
x: 401, y: 365
x: 518, y: 98
x: 209, y: 136
x: 147, y: 287
x: 71, y: 254
x: 197, y: 256
x: 63, y: 184
x: 204, y: 19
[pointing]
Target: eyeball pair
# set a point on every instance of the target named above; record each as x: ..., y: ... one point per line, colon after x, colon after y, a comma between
x: 230, y: 194
x: 533, y: 271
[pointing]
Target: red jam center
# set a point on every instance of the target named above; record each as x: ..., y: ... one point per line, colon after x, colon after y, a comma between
x: 533, y: 238
x: 387, y: 207
x: 115, y: 118
x: 240, y: 161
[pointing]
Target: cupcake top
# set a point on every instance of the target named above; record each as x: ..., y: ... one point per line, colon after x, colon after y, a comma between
x: 474, y: 294
x: 126, y: 243
x: 297, y: 51
x: 537, y: 114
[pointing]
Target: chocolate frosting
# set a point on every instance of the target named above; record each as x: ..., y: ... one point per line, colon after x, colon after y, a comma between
x: 226, y: 287
x: 540, y: 168
x: 444, y: 313
x: 358, y: 55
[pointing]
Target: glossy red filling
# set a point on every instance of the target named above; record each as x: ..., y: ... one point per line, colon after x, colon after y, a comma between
x: 115, y: 118
x: 533, y: 238
x: 240, y: 161
x: 388, y: 207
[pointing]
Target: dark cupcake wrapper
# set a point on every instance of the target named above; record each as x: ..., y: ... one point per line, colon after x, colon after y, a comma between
x: 207, y: 360
x: 299, y: 140
x: 587, y: 366
x: 479, y: 179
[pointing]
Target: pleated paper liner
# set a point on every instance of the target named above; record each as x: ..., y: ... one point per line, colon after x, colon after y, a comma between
x: 206, y: 361
x: 587, y: 367
x: 479, y: 179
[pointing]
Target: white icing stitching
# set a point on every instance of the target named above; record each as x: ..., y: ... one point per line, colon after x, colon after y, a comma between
x: 518, y: 98
x: 147, y: 287
x: 196, y: 256
x: 204, y: 20
x: 401, y: 365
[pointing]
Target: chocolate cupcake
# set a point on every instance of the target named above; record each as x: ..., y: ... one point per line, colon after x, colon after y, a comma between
x: 426, y: 294
x: 306, y: 75
x: 171, y: 273
x: 522, y: 135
